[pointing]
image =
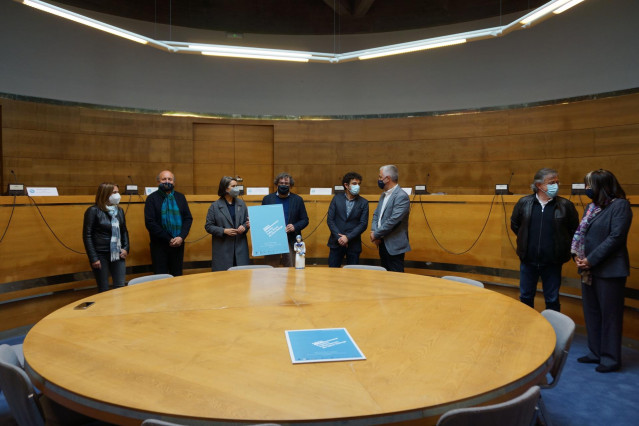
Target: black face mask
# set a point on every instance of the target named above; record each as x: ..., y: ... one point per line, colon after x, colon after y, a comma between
x: 166, y: 186
x: 590, y: 193
x: 282, y: 189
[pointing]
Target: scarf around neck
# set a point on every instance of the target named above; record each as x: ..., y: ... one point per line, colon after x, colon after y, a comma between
x: 115, y: 245
x: 171, y: 218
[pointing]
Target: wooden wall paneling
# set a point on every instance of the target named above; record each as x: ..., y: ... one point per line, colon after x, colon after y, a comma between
x: 213, y: 155
x: 254, y: 154
x: 614, y: 111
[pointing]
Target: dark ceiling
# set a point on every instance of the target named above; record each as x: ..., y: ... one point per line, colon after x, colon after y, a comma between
x: 311, y: 17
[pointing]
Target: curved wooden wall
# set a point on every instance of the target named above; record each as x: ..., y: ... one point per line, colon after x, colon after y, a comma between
x: 75, y: 148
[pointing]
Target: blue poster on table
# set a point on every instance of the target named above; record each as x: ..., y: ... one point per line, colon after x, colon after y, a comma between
x: 322, y: 345
x: 268, y: 230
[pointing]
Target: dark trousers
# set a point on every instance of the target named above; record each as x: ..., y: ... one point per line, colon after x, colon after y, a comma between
x: 392, y: 262
x: 603, y: 312
x: 117, y: 270
x: 167, y: 259
x: 285, y: 259
x: 550, y: 276
x: 336, y: 257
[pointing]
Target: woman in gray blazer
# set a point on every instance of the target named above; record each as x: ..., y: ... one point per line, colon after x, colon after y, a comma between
x: 600, y: 251
x: 227, y: 221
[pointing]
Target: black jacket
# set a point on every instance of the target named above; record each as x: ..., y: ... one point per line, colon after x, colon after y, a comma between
x: 297, y: 215
x: 351, y: 226
x: 606, y: 241
x: 153, y: 217
x: 96, y: 232
x: 565, y: 222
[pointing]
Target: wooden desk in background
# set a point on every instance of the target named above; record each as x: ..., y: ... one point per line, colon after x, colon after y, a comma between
x: 212, y: 347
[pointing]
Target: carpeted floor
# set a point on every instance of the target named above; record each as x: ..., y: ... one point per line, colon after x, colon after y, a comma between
x: 582, y: 397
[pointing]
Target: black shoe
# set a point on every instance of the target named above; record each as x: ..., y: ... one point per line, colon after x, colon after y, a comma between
x: 607, y: 368
x: 587, y: 360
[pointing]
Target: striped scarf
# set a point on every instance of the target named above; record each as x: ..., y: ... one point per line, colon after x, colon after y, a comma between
x: 171, y: 218
x: 115, y: 246
x: 578, y: 246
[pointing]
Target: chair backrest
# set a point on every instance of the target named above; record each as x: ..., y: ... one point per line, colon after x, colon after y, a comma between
x: 235, y: 268
x: 146, y: 278
x: 154, y: 422
x: 517, y: 411
x: 464, y: 280
x: 18, y: 389
x: 565, y: 331
x: 372, y: 267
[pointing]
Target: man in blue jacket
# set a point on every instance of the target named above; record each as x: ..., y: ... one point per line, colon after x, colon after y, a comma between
x: 294, y: 215
x: 347, y: 218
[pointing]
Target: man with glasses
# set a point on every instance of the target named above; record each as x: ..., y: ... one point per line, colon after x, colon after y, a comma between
x: 545, y: 224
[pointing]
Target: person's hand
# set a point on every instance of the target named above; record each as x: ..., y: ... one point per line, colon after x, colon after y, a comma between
x: 123, y: 254
x: 582, y: 263
x: 372, y: 237
x: 290, y: 228
x: 377, y: 241
x: 176, y: 242
x: 248, y: 223
x: 231, y: 232
x: 96, y: 265
x: 241, y: 229
x: 342, y: 240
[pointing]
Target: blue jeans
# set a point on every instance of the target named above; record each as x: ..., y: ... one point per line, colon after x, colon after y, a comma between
x: 117, y: 270
x: 529, y: 274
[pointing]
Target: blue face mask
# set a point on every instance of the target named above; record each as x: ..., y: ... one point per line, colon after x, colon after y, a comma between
x: 354, y: 189
x: 590, y: 193
x: 380, y: 183
x: 552, y: 189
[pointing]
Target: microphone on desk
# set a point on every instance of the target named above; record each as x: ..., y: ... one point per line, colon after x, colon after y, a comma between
x: 501, y: 189
x: 15, y: 188
x: 131, y: 189
x: 422, y: 189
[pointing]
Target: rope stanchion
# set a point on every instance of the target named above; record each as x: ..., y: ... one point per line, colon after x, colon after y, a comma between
x: 51, y: 230
x: 506, y: 225
x: 10, y: 217
x: 474, y: 242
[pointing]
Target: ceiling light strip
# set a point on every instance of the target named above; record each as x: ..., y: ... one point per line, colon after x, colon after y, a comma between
x: 544, y: 11
x: 81, y: 19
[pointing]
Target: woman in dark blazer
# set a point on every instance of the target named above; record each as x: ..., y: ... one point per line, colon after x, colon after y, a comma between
x: 600, y: 251
x: 227, y: 221
x: 106, y: 239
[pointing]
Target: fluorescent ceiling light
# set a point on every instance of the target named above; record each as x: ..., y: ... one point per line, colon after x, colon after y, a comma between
x: 412, y: 49
x: 555, y: 6
x: 566, y: 6
x: 204, y: 48
x: 543, y: 11
x: 253, y: 56
x: 84, y: 20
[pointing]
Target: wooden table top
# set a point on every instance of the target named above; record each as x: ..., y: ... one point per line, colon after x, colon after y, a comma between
x: 212, y: 346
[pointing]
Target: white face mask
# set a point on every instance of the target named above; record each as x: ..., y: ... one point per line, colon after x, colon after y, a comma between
x: 114, y: 199
x: 354, y: 189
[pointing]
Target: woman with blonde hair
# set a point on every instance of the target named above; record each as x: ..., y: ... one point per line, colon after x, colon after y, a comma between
x: 106, y: 239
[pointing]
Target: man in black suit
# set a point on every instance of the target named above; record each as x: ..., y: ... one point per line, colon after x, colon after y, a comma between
x: 347, y: 219
x: 294, y: 215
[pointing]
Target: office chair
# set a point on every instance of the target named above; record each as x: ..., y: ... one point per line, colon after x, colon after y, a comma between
x: 565, y: 331
x: 237, y: 268
x: 371, y: 267
x: 18, y: 390
x: 520, y: 411
x: 464, y: 280
x: 146, y: 278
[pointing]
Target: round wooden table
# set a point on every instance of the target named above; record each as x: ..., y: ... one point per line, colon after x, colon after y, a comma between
x: 212, y: 348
